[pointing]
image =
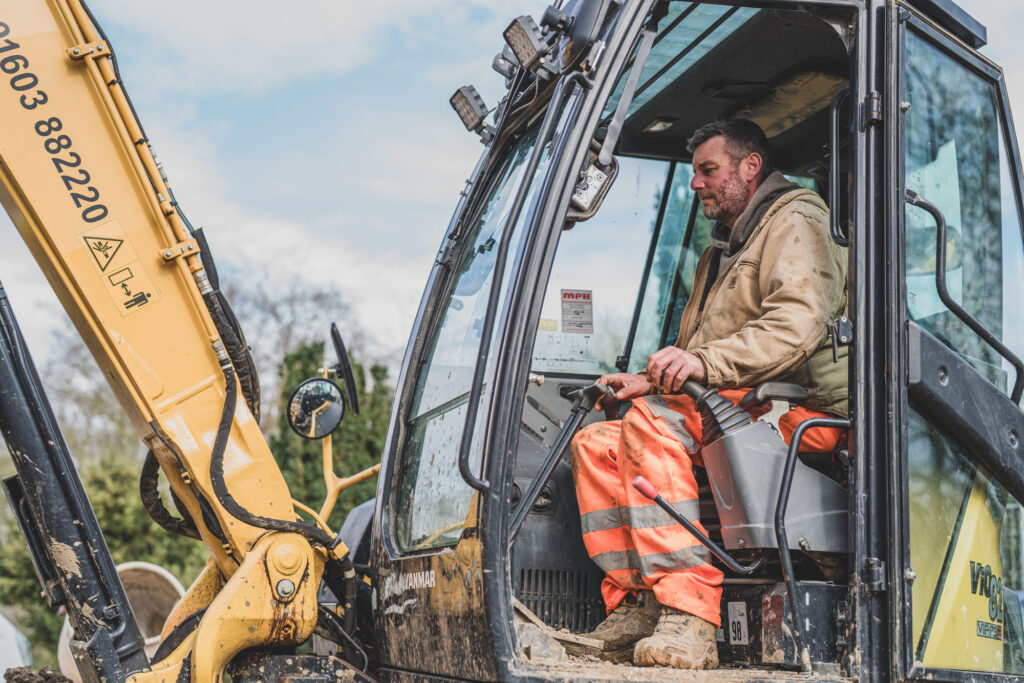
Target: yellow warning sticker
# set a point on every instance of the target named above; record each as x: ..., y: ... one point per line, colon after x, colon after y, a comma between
x: 119, y: 268
x: 103, y: 249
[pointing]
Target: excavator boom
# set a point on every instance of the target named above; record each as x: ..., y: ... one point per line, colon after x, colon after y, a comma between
x: 80, y: 182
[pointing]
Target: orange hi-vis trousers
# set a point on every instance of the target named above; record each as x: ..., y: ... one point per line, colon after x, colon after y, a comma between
x: 637, y: 544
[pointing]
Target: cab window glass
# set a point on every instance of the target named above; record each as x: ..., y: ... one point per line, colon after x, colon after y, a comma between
x: 589, y: 301
x: 966, y: 549
x: 684, y: 236
x: 432, y: 500
x: 688, y: 32
x: 956, y: 158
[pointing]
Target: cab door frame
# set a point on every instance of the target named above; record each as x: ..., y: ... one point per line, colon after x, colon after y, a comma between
x: 914, y: 359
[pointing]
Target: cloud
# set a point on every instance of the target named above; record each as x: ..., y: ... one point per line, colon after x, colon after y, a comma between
x: 1004, y: 21
x: 253, y: 46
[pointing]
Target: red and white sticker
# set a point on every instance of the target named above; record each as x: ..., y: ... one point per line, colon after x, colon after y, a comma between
x: 577, y: 311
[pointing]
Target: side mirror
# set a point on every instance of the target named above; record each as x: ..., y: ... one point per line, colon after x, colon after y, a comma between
x: 315, y: 408
x: 344, y: 369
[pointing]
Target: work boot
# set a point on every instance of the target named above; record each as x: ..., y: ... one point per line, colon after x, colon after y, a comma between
x: 633, y: 619
x: 681, y: 641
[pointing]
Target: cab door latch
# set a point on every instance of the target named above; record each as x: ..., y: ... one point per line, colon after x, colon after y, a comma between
x: 841, y: 332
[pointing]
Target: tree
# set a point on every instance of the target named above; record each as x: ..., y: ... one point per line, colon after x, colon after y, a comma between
x: 357, y: 443
x: 92, y: 421
x: 281, y: 316
x: 284, y: 321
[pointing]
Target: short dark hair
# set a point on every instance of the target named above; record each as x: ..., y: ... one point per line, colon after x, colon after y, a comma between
x: 742, y: 138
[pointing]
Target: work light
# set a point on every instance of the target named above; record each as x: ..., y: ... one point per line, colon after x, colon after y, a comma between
x: 470, y: 107
x: 524, y: 37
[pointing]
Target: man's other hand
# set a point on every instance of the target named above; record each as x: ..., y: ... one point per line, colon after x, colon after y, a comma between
x: 626, y: 385
x: 670, y: 367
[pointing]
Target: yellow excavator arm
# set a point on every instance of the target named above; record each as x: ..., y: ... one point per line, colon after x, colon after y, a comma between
x: 86, y: 193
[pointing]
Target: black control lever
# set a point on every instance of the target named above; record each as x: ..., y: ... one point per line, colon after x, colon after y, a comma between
x: 647, y: 489
x: 583, y: 402
x: 774, y: 391
x: 718, y: 414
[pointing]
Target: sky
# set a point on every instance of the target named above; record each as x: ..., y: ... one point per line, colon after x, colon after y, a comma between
x: 320, y: 145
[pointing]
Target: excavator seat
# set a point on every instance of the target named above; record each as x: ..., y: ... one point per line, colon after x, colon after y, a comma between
x: 745, y: 469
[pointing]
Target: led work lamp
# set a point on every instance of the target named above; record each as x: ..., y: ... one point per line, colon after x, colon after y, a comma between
x: 470, y: 107
x: 524, y: 37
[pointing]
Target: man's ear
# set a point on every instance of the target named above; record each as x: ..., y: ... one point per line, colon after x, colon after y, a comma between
x: 750, y: 167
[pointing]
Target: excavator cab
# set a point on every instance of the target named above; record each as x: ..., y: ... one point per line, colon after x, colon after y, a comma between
x: 571, y: 255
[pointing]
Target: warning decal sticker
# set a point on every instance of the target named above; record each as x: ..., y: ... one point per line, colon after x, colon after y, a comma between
x: 103, y: 249
x: 120, y: 268
x: 577, y: 311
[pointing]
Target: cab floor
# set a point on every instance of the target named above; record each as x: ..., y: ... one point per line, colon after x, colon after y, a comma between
x: 601, y: 671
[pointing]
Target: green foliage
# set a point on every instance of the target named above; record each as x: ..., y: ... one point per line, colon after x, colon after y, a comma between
x: 112, y: 481
x: 357, y: 443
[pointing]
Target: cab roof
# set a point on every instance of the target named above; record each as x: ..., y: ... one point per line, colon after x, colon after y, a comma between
x: 954, y: 19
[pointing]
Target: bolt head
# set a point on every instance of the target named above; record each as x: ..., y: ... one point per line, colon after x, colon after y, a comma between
x: 285, y: 588
x: 168, y: 253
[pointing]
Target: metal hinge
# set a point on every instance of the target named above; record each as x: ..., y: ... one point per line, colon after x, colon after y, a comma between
x: 448, y: 252
x: 841, y: 333
x: 97, y: 49
x: 873, y: 108
x: 874, y: 575
x: 592, y: 58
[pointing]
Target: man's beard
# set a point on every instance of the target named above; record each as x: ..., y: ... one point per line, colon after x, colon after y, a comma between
x: 728, y: 202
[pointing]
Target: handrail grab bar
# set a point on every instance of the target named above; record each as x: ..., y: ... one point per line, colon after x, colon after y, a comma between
x: 834, y: 191
x: 979, y: 329
x: 803, y: 653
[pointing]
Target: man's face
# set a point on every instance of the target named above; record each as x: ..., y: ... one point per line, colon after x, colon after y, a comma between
x: 721, y: 183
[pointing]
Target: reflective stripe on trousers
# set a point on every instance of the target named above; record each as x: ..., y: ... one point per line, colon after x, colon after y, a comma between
x: 635, y: 542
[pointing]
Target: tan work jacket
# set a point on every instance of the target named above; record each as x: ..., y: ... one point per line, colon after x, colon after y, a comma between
x: 768, y: 312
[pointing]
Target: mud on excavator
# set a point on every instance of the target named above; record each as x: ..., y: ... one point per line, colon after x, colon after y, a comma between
x: 570, y: 254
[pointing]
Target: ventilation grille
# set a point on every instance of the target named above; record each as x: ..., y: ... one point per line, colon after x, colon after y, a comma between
x: 562, y: 599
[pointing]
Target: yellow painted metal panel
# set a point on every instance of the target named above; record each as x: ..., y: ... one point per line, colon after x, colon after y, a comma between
x: 83, y: 190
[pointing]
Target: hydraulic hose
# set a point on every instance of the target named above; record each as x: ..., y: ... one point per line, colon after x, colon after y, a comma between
x: 336, y: 627
x: 209, y: 519
x: 312, y: 533
x: 341, y: 574
x: 230, y: 330
x: 150, y: 495
x: 177, y: 636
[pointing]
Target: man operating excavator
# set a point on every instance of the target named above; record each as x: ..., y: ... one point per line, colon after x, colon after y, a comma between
x: 764, y: 295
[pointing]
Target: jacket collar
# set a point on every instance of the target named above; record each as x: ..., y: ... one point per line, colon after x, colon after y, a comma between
x: 731, y: 241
